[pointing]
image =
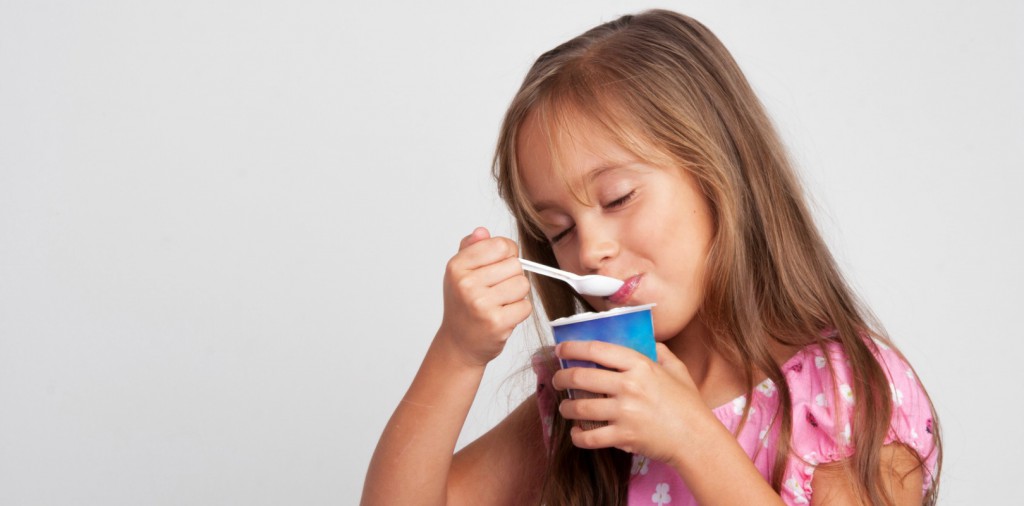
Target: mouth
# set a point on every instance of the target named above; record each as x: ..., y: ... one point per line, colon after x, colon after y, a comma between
x: 626, y: 292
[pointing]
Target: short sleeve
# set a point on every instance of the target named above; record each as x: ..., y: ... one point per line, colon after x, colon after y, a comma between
x: 544, y: 367
x: 912, y: 423
x: 822, y: 414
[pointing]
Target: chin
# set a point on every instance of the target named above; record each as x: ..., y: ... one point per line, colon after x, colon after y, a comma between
x: 661, y: 335
x: 666, y: 328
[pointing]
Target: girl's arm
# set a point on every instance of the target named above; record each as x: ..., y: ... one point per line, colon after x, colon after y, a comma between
x: 413, y: 463
x: 414, y: 454
x: 484, y: 294
x: 505, y: 465
x: 901, y: 475
x: 718, y: 471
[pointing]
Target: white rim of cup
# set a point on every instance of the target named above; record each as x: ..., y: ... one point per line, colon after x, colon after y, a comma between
x: 582, y: 317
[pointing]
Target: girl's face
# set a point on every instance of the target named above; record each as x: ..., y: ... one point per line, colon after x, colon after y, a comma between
x: 648, y: 225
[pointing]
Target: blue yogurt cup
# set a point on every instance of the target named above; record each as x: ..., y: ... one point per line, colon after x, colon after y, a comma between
x: 631, y: 326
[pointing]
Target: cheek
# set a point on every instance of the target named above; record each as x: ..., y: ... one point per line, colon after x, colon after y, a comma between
x: 681, y: 295
x: 688, y: 258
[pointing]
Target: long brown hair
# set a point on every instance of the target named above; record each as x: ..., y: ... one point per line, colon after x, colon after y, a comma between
x: 666, y: 88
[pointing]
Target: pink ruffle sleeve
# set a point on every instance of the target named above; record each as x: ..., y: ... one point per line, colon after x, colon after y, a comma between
x: 822, y: 415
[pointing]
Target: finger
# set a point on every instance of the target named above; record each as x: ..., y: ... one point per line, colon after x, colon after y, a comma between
x: 610, y: 355
x: 669, y: 360
x: 601, y: 437
x: 665, y: 355
x: 599, y: 410
x: 496, y: 273
x: 502, y: 321
x: 591, y: 379
x: 517, y: 311
x: 478, y: 234
x: 509, y: 291
x: 513, y: 314
x: 485, y: 252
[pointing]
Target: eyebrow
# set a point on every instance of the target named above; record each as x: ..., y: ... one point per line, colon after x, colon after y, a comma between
x: 596, y: 173
x: 544, y: 205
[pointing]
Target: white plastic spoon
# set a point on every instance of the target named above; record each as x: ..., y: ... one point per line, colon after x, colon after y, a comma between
x: 591, y: 284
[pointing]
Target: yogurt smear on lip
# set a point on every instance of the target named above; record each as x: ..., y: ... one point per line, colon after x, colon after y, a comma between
x: 628, y: 287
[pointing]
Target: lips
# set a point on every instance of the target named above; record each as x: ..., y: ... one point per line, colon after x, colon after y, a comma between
x: 628, y: 287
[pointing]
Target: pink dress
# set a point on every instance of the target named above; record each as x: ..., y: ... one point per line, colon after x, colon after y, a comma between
x: 821, y: 424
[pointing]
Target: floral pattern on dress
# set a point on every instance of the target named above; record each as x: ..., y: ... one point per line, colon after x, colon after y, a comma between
x: 660, y: 495
x: 640, y: 465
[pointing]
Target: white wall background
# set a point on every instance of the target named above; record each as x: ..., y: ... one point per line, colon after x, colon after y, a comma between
x: 211, y: 212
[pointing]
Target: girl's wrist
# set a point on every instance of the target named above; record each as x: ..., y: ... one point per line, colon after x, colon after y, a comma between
x: 446, y: 347
x: 443, y: 370
x: 705, y: 437
x: 714, y: 461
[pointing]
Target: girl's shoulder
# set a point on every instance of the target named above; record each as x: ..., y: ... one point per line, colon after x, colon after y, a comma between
x: 822, y: 373
x: 820, y: 380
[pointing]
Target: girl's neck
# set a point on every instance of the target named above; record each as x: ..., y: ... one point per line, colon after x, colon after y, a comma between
x: 718, y: 380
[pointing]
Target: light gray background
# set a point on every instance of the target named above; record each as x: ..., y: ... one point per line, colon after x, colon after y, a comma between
x: 223, y: 225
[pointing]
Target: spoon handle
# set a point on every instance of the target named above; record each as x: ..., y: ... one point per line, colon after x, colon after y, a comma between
x: 547, y: 271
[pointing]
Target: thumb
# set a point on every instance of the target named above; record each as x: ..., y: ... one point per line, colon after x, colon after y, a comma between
x: 478, y: 234
x: 669, y: 360
x: 665, y: 355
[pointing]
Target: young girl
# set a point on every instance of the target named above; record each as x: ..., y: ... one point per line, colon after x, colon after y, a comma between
x: 638, y: 150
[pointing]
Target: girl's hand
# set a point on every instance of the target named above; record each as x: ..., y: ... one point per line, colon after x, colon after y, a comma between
x: 653, y: 409
x: 484, y: 296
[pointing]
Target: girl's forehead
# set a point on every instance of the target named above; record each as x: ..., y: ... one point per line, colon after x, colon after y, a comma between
x: 565, y: 151
x: 558, y: 167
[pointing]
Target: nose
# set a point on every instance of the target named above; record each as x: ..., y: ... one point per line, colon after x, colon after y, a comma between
x: 597, y: 243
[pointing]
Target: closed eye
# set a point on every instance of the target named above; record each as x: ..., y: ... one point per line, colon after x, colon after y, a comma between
x: 560, y: 235
x: 621, y: 200
x: 611, y: 205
